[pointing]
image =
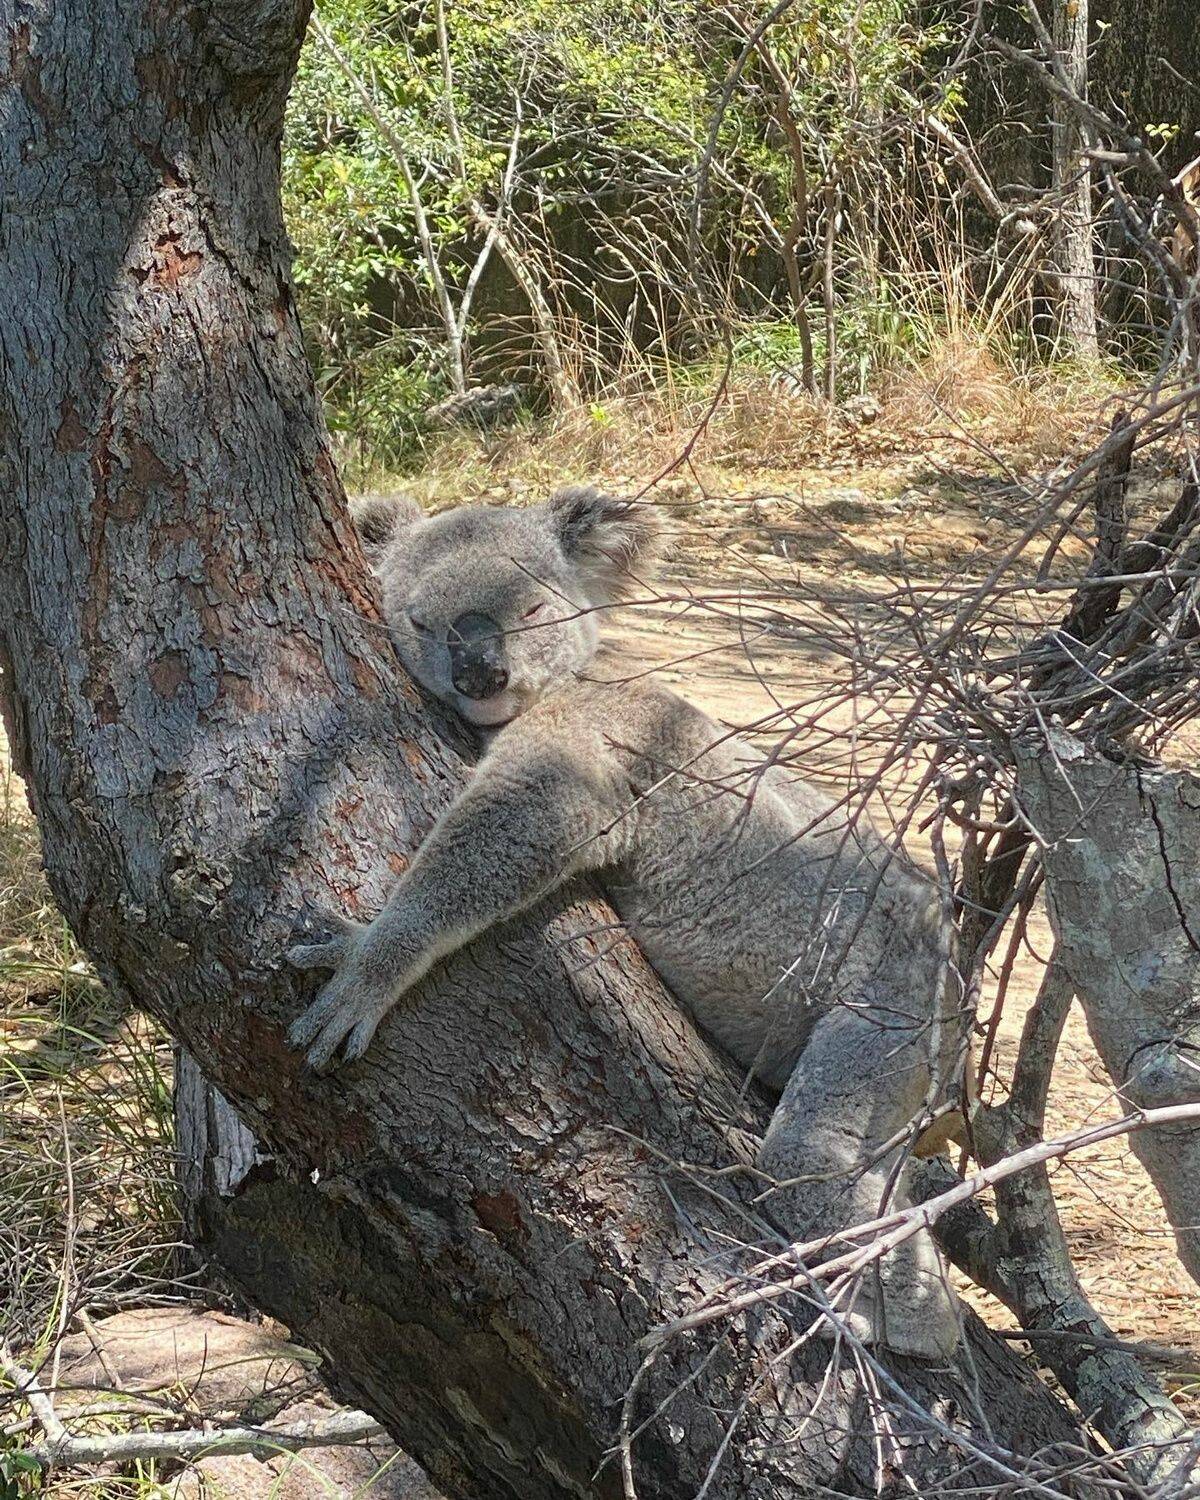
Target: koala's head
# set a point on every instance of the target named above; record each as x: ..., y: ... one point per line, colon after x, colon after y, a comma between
x: 491, y: 607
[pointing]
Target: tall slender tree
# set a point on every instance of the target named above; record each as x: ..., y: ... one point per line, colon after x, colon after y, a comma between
x: 1073, y: 186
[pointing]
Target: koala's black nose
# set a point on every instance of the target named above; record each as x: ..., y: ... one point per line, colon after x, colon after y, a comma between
x: 477, y: 667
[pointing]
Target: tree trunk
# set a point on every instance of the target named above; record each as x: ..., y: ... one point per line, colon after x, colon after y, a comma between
x: 1072, y: 180
x: 1123, y: 882
x: 1147, y: 58
x: 232, y: 1197
x: 479, y: 1223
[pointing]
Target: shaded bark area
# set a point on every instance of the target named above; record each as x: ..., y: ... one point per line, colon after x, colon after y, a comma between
x: 1144, y: 58
x: 1146, y: 62
x: 474, y: 1224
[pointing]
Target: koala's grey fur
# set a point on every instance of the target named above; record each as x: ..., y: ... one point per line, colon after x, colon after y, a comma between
x: 797, y: 938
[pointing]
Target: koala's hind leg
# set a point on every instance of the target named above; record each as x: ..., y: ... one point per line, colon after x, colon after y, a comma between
x: 859, y: 1082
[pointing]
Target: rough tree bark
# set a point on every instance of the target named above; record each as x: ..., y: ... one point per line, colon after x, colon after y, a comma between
x: 475, y: 1225
x: 1147, y: 53
x: 1123, y: 886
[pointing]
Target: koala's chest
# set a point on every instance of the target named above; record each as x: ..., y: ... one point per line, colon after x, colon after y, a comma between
x: 707, y: 858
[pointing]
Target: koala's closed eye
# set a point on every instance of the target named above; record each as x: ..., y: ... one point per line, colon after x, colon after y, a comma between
x: 498, y: 608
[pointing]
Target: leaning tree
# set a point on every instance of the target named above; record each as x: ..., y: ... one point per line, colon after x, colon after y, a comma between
x: 481, y: 1225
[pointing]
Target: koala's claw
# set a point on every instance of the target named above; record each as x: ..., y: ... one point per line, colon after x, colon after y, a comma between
x: 342, y: 1016
x: 348, y: 1008
x: 317, y: 955
x: 309, y: 1022
x: 329, y: 953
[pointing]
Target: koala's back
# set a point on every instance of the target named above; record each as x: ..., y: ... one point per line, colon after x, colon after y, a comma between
x: 755, y: 897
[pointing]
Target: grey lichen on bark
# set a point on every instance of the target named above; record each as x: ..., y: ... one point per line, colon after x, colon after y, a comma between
x: 1123, y: 882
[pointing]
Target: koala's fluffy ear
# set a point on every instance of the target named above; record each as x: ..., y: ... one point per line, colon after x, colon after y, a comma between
x: 609, y: 539
x: 377, y: 519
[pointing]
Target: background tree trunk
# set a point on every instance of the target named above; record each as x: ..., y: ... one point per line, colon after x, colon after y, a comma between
x: 1145, y: 62
x: 474, y: 1225
x: 1123, y: 881
x: 1072, y: 181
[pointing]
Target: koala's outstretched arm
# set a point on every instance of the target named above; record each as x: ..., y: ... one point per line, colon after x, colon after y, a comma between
x: 527, y: 823
x: 859, y: 1082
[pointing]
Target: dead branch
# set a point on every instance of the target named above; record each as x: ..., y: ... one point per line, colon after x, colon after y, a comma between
x: 26, y: 1385
x: 875, y: 1238
x: 343, y: 1429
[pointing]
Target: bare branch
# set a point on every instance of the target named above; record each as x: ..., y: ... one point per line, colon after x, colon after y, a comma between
x: 32, y: 1394
x: 343, y: 1429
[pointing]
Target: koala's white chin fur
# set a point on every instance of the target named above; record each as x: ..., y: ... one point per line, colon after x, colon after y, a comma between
x: 488, y: 713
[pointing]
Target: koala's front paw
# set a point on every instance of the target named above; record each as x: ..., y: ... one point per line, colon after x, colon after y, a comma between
x: 351, y: 1005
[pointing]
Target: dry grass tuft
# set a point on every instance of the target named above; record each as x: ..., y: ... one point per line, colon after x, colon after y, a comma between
x: 88, y: 1218
x: 955, y: 406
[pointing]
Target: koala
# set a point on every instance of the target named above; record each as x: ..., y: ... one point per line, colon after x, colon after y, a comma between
x: 810, y: 950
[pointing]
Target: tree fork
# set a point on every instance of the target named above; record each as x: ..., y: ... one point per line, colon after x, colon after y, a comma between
x: 220, y: 747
